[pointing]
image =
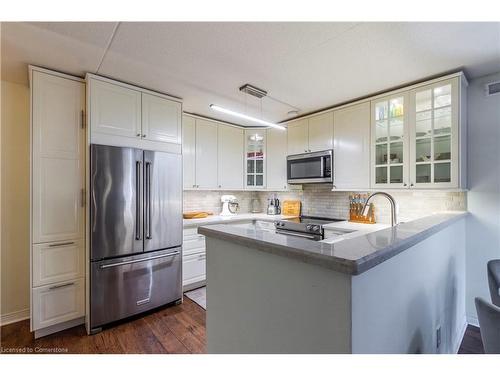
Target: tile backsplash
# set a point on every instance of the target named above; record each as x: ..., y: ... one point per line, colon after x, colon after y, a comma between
x: 207, y: 200
x: 319, y: 200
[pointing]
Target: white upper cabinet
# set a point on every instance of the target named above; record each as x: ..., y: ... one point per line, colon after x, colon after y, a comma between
x: 58, y: 157
x: 311, y: 134
x: 276, y: 141
x: 189, y: 152
x: 255, y: 158
x: 206, y: 154
x: 115, y: 110
x: 230, y: 157
x: 351, y: 154
x: 434, y: 136
x: 419, y: 137
x: 129, y: 116
x: 390, y: 130
x: 161, y: 119
x: 298, y: 137
x: 321, y: 132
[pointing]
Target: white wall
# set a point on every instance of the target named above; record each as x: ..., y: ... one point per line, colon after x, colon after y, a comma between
x: 15, y: 166
x: 483, y: 224
x: 398, y: 305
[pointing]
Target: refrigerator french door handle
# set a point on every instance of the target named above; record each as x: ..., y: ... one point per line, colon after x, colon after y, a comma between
x: 148, y: 201
x: 138, y: 166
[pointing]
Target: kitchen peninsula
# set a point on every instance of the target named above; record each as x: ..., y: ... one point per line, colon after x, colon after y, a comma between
x: 394, y: 290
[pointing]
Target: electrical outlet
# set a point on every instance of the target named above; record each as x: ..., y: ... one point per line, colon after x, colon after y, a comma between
x: 438, y: 337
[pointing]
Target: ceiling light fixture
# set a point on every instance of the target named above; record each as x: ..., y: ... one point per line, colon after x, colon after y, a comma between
x: 243, y: 116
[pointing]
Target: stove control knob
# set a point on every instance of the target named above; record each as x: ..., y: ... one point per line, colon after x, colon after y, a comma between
x: 316, y: 228
x: 309, y: 227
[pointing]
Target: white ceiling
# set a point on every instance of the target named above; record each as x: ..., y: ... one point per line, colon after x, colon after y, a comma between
x: 307, y: 65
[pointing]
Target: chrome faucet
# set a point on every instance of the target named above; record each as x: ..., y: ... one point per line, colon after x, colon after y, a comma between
x: 394, y: 219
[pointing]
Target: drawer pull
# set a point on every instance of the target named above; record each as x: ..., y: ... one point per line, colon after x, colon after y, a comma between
x: 61, y: 244
x: 60, y: 286
x: 139, y: 260
x: 142, y: 301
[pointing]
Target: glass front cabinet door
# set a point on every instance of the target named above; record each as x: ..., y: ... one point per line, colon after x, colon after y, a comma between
x: 255, y: 154
x: 434, y: 136
x: 390, y: 142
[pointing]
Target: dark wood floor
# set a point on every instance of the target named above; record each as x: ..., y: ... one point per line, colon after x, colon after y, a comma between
x: 471, y: 344
x: 176, y: 329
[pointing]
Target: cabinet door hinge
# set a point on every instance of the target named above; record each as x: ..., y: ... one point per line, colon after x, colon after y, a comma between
x: 82, y: 119
x: 82, y: 197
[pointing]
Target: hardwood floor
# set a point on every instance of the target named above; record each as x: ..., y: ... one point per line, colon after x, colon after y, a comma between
x: 176, y: 329
x: 472, y: 343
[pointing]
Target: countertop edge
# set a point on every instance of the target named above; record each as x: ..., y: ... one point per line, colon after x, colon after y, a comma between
x: 333, y: 263
x: 348, y: 266
x: 366, y: 263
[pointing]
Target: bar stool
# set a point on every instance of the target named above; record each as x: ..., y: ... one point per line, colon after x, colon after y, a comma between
x: 489, y: 323
x: 494, y: 280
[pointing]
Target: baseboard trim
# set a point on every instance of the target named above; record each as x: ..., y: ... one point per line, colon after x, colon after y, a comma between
x: 460, y: 337
x: 14, y: 317
x: 195, y: 285
x: 472, y: 320
x: 59, y: 327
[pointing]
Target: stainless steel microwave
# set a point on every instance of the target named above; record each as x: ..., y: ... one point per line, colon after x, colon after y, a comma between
x: 310, y: 168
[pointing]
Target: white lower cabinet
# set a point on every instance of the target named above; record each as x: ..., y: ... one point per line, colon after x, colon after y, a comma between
x: 58, y: 303
x: 57, y: 262
x: 194, y: 269
x: 193, y: 259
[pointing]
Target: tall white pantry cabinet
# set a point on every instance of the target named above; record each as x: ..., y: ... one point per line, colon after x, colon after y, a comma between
x: 57, y: 201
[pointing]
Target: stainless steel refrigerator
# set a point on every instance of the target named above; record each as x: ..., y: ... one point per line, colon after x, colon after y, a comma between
x: 135, y: 233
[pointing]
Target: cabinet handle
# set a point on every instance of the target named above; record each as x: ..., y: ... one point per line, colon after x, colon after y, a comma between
x: 194, y: 186
x: 82, y: 119
x: 144, y: 136
x: 405, y: 184
x: 220, y: 186
x: 82, y: 198
x: 138, y: 134
x: 61, y: 244
x: 411, y: 184
x: 61, y: 286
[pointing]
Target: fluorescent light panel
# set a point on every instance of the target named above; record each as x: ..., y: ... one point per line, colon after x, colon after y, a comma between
x: 243, y: 116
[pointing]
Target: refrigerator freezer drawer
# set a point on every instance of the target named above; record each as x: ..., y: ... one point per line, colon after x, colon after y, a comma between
x: 127, y: 286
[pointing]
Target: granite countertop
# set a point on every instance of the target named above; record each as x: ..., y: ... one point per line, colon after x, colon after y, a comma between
x: 353, y: 254
x: 215, y: 219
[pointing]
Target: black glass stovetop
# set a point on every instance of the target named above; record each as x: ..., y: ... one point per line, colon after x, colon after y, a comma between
x: 312, y: 220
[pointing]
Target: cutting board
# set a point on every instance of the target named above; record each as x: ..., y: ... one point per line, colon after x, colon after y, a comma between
x: 291, y: 208
x: 196, y: 214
